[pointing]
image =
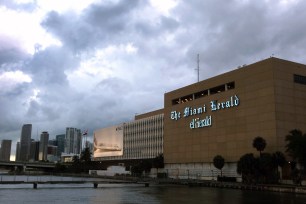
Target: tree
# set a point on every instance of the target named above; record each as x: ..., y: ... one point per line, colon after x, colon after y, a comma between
x: 279, y: 160
x: 60, y: 168
x: 86, y: 155
x: 75, y: 159
x: 296, y: 146
x: 76, y: 164
x: 260, y: 144
x: 158, y: 162
x: 267, y: 171
x: 143, y: 166
x: 218, y: 162
x: 246, y: 166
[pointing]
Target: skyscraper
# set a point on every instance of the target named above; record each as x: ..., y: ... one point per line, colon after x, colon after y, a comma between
x: 34, y: 152
x: 17, y: 157
x: 73, y: 140
x: 25, y: 142
x: 5, y: 150
x: 43, y: 146
x: 60, y: 140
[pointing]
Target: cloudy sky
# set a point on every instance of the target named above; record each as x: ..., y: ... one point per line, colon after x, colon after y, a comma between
x: 91, y: 64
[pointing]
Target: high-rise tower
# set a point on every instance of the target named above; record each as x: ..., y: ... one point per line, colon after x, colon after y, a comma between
x: 60, y: 140
x: 43, y: 146
x: 73, y: 140
x: 5, y: 152
x: 25, y: 142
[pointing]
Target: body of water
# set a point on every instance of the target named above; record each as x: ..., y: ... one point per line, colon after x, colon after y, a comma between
x: 135, y: 193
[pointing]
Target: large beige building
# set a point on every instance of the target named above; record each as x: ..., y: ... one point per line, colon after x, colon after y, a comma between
x: 222, y: 115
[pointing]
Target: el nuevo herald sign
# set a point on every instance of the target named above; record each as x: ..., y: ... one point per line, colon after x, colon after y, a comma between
x: 198, y: 122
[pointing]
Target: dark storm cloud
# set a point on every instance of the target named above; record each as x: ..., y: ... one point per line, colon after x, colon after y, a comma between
x: 12, y: 108
x: 226, y: 34
x: 289, y: 31
x: 10, y: 51
x: 97, y: 25
x: 48, y: 66
x: 230, y: 33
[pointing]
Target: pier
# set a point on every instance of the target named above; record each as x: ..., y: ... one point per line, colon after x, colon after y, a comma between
x: 35, y: 181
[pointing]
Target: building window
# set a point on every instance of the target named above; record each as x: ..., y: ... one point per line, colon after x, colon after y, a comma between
x: 176, y: 101
x: 201, y: 94
x: 217, y: 89
x: 299, y: 79
x: 187, y: 98
x: 207, y: 92
x: 230, y: 85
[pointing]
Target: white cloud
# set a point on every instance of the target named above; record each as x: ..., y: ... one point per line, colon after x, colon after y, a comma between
x: 35, y: 96
x: 134, y: 50
x: 63, y: 6
x: 10, y: 80
x: 131, y: 49
x: 25, y: 27
x: 104, y: 63
x: 164, y: 6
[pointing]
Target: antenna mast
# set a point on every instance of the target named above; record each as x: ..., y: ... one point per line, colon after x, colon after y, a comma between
x: 198, y: 68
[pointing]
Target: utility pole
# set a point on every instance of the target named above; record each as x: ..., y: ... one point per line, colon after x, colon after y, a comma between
x: 198, y: 68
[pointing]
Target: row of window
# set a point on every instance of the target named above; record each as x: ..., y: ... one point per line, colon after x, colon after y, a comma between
x: 299, y: 79
x: 144, y: 138
x: 206, y: 92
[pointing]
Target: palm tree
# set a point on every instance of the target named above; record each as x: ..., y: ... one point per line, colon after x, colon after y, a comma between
x: 279, y: 161
x: 259, y: 143
x: 296, y: 146
x: 247, y: 167
x: 219, y: 162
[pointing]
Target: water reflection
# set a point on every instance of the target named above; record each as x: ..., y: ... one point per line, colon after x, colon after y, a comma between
x: 135, y: 193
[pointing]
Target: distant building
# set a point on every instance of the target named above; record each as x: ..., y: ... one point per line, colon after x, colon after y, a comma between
x: 34, y: 152
x: 68, y: 157
x: 73, y: 140
x: 5, y: 150
x: 17, y: 157
x: 43, y: 146
x: 52, y: 142
x: 52, y: 153
x: 60, y: 140
x: 25, y: 142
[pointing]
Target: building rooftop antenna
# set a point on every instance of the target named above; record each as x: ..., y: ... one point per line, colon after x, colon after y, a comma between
x: 198, y: 67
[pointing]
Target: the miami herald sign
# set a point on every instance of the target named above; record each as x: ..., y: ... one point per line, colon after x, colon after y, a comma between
x: 205, y: 121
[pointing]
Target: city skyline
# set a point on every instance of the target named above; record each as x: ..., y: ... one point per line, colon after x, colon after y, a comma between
x: 40, y: 150
x: 91, y: 64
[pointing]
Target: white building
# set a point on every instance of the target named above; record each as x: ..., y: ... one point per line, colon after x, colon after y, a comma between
x: 142, y: 138
x: 73, y: 139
